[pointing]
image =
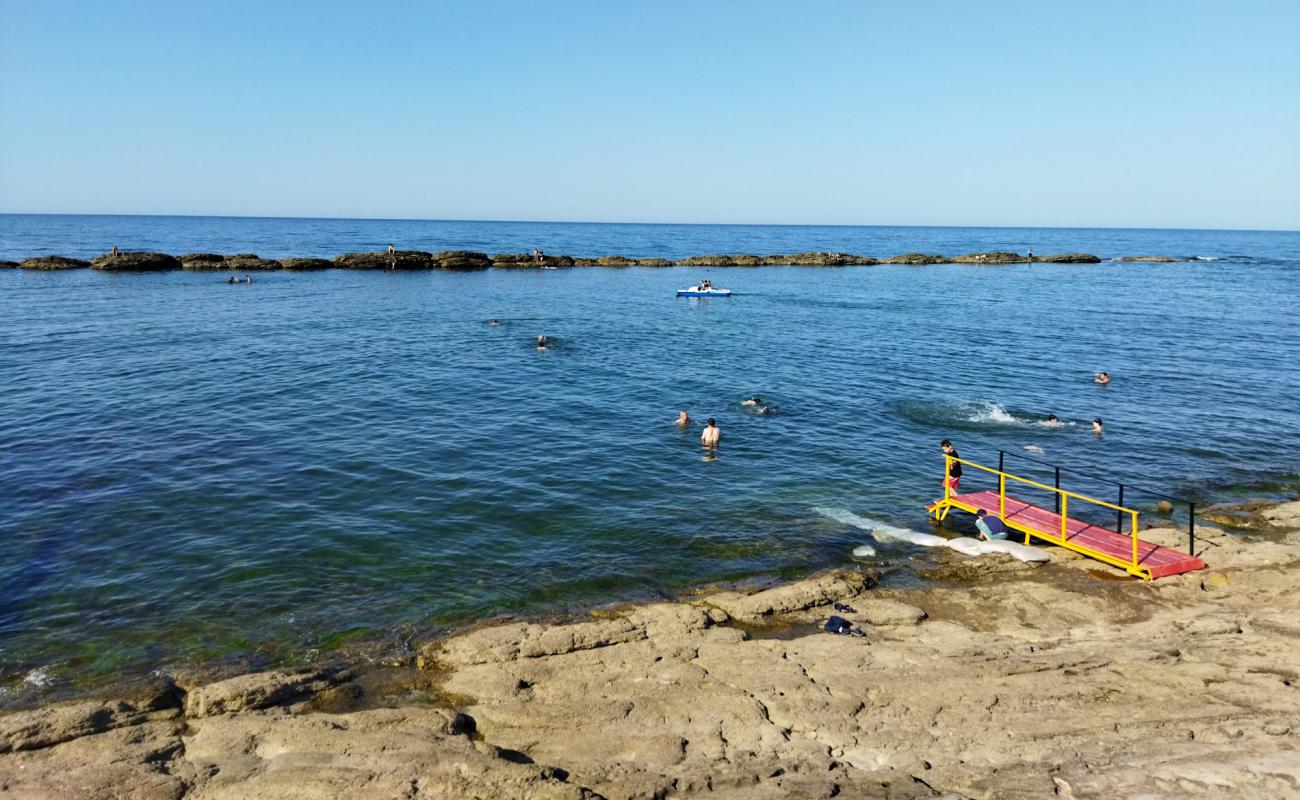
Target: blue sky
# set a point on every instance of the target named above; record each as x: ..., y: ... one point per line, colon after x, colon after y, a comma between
x: 1129, y: 114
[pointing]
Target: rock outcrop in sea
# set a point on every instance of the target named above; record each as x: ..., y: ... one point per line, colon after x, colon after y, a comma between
x: 135, y: 262
x: 53, y: 262
x: 469, y: 260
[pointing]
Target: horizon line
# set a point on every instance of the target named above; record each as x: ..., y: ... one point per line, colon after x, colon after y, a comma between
x: 628, y: 222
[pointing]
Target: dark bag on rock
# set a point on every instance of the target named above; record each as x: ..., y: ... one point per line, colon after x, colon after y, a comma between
x: 838, y: 625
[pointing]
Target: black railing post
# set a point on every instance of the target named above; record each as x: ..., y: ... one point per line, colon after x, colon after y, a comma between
x: 1119, y: 515
x: 1058, y: 490
x: 1191, y: 529
x: 1002, y: 457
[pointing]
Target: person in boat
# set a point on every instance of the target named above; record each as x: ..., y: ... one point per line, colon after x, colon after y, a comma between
x: 990, y: 526
x: 711, y: 435
x: 683, y: 419
x: 1102, y: 378
x: 706, y: 284
x: 953, y: 478
x: 542, y: 342
x: 1096, y: 426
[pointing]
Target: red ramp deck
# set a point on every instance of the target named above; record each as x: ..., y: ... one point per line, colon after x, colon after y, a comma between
x: 1150, y: 561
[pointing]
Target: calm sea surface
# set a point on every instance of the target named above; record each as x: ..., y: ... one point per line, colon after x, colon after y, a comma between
x: 193, y: 471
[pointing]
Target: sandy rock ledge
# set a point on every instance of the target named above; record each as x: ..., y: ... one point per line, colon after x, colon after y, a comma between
x: 1013, y: 683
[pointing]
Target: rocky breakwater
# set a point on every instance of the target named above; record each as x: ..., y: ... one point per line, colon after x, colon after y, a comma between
x: 1013, y: 681
x: 468, y: 260
x: 53, y: 263
x: 135, y: 262
x: 455, y: 260
x: 240, y: 262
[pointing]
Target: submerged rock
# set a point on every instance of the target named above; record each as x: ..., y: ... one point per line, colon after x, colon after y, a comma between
x: 53, y: 262
x: 8, y: 265
x: 307, y: 263
x: 917, y: 259
x: 1152, y: 259
x: 135, y: 262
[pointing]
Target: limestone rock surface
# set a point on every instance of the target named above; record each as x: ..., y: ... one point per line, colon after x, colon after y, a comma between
x: 135, y: 262
x: 53, y: 263
x: 303, y: 264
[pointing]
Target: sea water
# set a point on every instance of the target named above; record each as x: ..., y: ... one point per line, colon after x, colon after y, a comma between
x: 194, y: 471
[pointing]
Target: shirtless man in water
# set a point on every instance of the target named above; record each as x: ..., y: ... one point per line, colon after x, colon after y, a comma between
x: 711, y: 434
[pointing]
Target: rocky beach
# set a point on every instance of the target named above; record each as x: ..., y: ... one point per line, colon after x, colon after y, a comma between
x: 998, y: 679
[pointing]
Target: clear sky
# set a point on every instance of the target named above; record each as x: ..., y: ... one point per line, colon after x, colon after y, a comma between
x: 1131, y: 113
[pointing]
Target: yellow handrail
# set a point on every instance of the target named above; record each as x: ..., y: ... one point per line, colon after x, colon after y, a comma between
x: 1065, y: 496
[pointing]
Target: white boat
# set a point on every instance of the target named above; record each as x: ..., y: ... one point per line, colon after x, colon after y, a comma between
x: 709, y: 291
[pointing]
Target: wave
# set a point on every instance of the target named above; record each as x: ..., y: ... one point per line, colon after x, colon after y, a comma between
x: 979, y: 415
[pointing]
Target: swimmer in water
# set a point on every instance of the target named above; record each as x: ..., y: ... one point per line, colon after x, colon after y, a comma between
x: 683, y: 419
x: 1052, y: 421
x: 1096, y: 426
x: 711, y: 435
x: 494, y: 322
x: 1101, y: 378
x: 232, y: 280
x: 541, y: 342
x: 753, y: 401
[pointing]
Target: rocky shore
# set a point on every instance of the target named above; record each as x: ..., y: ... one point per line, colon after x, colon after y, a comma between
x: 466, y: 260
x: 1001, y: 680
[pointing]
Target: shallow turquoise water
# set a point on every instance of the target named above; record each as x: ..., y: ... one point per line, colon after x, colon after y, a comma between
x: 200, y: 471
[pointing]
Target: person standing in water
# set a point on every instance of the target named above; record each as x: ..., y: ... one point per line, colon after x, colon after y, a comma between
x: 1102, y: 378
x: 1096, y: 427
x: 953, y: 478
x: 711, y: 435
x: 683, y: 419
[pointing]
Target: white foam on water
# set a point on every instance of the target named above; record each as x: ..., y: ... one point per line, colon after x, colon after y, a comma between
x: 965, y: 545
x: 992, y: 412
x: 880, y: 531
x: 1205, y: 258
x: 1033, y: 448
x: 38, y: 678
